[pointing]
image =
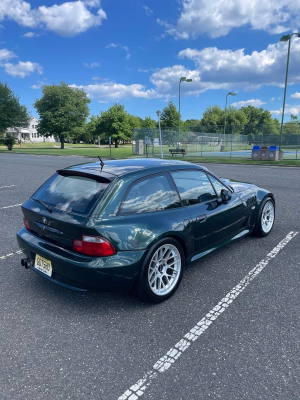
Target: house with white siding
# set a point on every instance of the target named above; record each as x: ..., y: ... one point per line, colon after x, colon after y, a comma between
x: 29, y: 132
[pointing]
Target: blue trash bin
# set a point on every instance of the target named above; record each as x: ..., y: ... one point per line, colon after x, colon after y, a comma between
x: 256, y: 153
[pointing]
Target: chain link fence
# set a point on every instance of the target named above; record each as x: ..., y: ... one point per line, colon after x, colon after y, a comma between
x: 216, y: 140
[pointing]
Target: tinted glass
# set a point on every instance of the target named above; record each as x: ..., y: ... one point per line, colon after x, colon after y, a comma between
x: 151, y: 194
x: 217, y: 185
x: 194, y: 187
x: 70, y: 193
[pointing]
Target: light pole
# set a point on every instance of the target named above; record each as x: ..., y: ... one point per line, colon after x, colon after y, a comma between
x: 285, y: 38
x: 161, y: 148
x: 228, y: 94
x: 182, y: 79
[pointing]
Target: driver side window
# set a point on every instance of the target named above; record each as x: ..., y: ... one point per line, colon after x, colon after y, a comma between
x: 217, y: 185
x: 194, y: 187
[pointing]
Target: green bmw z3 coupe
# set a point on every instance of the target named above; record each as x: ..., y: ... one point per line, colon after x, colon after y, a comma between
x: 135, y: 223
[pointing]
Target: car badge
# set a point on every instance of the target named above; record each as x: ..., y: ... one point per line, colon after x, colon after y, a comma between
x: 45, y: 222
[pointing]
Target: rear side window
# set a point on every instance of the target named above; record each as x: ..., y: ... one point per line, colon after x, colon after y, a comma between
x: 150, y: 194
x: 194, y: 187
x: 74, y: 194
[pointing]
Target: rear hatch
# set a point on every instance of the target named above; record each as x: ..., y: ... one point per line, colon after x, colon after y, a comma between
x: 60, y: 207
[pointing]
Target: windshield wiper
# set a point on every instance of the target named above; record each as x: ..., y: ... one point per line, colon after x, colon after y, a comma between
x: 43, y: 204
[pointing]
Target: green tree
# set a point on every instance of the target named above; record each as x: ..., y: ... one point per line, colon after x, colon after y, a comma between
x: 213, y: 118
x: 190, y: 123
x: 149, y: 123
x: 259, y: 121
x: 62, y: 110
x: 294, y: 118
x: 12, y: 113
x: 237, y: 118
x: 93, y: 129
x: 257, y: 116
x: 290, y: 128
x: 135, y: 122
x: 116, y: 122
x: 170, y: 116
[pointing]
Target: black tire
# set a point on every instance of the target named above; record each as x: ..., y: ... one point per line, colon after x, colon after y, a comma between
x: 259, y: 229
x: 143, y: 288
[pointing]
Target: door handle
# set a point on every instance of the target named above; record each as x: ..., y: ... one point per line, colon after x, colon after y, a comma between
x: 201, y: 218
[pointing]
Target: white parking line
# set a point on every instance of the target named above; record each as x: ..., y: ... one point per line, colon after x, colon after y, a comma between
x: 1, y: 187
x: 164, y: 363
x: 15, y: 205
x: 10, y: 255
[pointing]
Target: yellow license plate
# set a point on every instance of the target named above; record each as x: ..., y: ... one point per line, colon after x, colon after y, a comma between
x: 43, y: 265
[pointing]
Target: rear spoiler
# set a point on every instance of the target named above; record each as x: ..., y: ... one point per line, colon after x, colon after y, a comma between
x: 99, y: 177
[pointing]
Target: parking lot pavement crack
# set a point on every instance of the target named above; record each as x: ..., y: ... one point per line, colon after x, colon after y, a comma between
x: 164, y: 363
x: 10, y: 255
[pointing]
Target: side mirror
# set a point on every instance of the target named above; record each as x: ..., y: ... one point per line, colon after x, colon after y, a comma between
x: 225, y: 195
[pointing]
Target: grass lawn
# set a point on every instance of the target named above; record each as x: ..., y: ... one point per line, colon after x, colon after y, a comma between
x: 124, y: 152
x: 71, y: 150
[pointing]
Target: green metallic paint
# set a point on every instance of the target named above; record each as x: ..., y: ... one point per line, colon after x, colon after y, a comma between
x: 107, y: 273
x: 133, y: 235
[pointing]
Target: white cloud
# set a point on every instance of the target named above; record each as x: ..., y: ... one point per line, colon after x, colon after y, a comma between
x: 295, y: 95
x: 166, y: 81
x: 229, y: 70
x: 111, y: 91
x: 66, y: 19
x: 246, y: 71
x: 288, y: 110
x: 216, y: 18
x: 22, y: 69
x: 148, y: 10
x: 98, y: 78
x: 272, y: 98
x: 252, y: 102
x: 29, y: 35
x: 148, y: 70
x: 38, y: 85
x: 6, y: 54
x: 92, y: 65
x: 114, y: 46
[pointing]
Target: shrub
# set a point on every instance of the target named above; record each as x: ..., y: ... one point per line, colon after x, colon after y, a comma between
x: 9, y: 141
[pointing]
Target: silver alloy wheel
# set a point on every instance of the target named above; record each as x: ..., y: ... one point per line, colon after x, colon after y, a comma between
x: 164, y: 269
x: 267, y: 216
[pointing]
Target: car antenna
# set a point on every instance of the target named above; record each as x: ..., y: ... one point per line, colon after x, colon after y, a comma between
x: 101, y: 163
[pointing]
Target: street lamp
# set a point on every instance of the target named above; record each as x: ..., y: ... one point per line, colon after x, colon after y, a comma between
x: 228, y: 94
x: 161, y: 148
x: 182, y: 79
x: 286, y: 38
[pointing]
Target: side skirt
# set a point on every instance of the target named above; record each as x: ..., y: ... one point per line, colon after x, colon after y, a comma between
x: 196, y: 256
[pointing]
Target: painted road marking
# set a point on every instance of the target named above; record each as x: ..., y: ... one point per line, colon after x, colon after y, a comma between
x: 1, y: 187
x: 165, y: 362
x: 15, y: 205
x: 11, y: 254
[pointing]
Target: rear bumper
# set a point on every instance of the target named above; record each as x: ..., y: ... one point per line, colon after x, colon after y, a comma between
x: 77, y: 271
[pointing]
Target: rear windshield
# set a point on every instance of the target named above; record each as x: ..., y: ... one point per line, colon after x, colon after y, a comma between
x: 73, y: 194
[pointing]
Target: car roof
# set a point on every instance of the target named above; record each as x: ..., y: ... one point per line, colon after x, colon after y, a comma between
x: 113, y: 168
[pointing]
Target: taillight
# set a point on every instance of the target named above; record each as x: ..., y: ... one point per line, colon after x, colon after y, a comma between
x: 26, y: 223
x: 94, y: 246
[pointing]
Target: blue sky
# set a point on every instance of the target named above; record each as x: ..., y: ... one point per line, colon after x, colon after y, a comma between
x: 135, y: 52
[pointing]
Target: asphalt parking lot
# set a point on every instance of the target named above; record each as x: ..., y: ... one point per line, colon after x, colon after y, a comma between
x: 62, y: 344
